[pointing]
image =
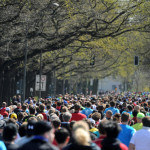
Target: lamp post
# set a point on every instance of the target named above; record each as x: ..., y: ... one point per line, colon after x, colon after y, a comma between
x: 40, y: 74
x: 25, y: 62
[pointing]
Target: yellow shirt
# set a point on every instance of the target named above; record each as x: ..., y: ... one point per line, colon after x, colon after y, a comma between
x: 138, y: 126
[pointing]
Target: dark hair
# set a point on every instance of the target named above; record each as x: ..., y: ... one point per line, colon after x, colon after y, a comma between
x: 24, y: 107
x: 134, y: 112
x: 107, y: 105
x: 9, y: 132
x: 125, y: 117
x: 48, y: 106
x: 101, y: 127
x: 77, y: 107
x: 56, y: 123
x: 100, y: 107
x: 146, y: 121
x: 58, y: 103
x: 22, y: 130
x: 88, y: 104
x: 146, y: 108
x: 112, y: 129
x: 112, y: 103
x: 42, y: 127
x: 130, y: 107
x: 32, y: 110
x: 61, y: 135
x: 41, y: 107
x: 20, y: 116
x: 37, y: 109
x: 71, y: 124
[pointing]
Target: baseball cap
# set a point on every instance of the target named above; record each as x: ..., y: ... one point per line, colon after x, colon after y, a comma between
x: 2, y: 124
x: 13, y: 115
x: 140, y: 115
x: 5, y: 113
x: 30, y: 127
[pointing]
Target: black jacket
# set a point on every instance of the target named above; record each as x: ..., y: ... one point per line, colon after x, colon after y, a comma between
x: 74, y: 146
x: 37, y: 144
x: 10, y: 146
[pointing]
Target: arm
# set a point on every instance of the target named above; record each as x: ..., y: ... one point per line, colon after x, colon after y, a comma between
x: 131, y: 146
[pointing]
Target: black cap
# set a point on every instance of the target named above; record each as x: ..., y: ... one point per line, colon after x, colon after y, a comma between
x: 31, y: 127
x: 41, y: 127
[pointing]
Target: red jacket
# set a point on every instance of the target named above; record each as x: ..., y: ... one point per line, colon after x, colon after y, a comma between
x: 44, y: 115
x: 99, y: 140
x: 77, y: 116
x: 2, y: 110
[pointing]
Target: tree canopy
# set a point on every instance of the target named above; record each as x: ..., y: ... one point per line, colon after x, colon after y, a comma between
x: 69, y: 33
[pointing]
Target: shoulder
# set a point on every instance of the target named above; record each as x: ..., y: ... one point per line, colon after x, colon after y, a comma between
x: 94, y: 146
x: 48, y: 146
x: 2, y: 146
x: 67, y: 147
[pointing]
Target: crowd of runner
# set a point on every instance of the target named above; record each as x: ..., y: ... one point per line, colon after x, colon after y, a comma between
x: 77, y: 122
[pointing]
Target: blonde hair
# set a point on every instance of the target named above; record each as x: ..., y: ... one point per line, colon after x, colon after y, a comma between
x: 40, y: 117
x: 81, y: 133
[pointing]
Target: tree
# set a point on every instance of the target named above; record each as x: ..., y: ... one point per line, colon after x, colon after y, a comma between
x: 74, y: 25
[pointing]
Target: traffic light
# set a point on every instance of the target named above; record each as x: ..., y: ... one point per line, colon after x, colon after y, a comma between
x: 136, y: 60
x: 92, y: 62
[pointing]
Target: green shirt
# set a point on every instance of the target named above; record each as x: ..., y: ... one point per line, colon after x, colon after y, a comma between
x: 138, y: 126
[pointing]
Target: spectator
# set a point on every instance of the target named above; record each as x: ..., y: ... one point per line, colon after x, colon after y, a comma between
x: 29, y: 133
x: 111, y: 142
x: 9, y: 136
x: 32, y: 113
x: 100, y: 109
x: 87, y: 111
x: 18, y: 109
x: 56, y: 123
x: 2, y: 125
x: 44, y: 135
x: 3, y: 108
x: 127, y: 132
x: 5, y: 116
x: 92, y: 130
x: 109, y: 115
x: 20, y: 117
x: 96, y: 117
x: 117, y: 118
x: 62, y: 137
x: 82, y: 139
x: 101, y: 128
x: 66, y: 121
x: 112, y: 108
x: 41, y: 108
x: 13, y: 116
x: 140, y: 140
x: 139, y: 124
x: 76, y: 116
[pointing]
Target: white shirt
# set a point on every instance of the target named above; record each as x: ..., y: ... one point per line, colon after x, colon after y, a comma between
x: 94, y: 107
x: 141, y: 139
